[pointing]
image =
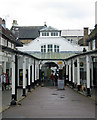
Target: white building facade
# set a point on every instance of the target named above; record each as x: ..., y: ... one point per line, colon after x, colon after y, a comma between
x: 50, y: 41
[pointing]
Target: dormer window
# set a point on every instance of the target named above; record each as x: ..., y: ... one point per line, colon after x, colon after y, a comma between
x: 45, y: 34
x: 54, y: 33
x: 49, y: 32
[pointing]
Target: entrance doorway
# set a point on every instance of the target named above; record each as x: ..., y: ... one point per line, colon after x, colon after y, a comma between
x: 46, y: 71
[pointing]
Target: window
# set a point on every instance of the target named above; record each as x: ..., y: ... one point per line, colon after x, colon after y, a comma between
x: 12, y: 46
x: 54, y: 33
x: 50, y: 48
x: 45, y: 34
x: 9, y: 44
x: 0, y: 40
x: 43, y: 49
x: 5, y: 42
x: 94, y: 45
x: 56, y: 48
x: 89, y: 46
x: 71, y: 40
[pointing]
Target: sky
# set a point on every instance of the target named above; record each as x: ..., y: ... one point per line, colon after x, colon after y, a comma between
x: 60, y: 14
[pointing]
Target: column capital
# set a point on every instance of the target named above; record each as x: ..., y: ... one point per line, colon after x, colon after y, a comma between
x: 24, y: 59
x: 13, y: 58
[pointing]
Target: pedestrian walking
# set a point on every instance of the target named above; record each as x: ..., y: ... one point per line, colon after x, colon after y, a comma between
x: 56, y: 79
x: 52, y: 77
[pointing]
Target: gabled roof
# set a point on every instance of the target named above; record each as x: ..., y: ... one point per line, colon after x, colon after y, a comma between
x: 5, y: 32
x: 26, y: 32
x: 49, y: 29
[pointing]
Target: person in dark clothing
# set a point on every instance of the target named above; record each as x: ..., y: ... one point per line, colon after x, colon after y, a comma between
x: 56, y: 79
x: 52, y: 77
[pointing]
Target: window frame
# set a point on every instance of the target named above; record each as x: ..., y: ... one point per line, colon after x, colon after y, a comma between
x: 43, y: 48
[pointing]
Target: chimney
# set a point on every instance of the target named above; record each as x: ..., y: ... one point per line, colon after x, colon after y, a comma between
x: 96, y: 26
x: 0, y: 21
x: 45, y: 24
x: 86, y: 30
x: 3, y: 23
x: 14, y: 23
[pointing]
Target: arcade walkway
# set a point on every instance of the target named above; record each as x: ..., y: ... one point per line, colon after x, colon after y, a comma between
x: 48, y: 102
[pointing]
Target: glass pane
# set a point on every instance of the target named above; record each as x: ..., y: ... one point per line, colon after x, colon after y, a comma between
x: 44, y: 50
x: 56, y: 34
x: 54, y: 46
x: 57, y: 50
x: 49, y: 46
x: 54, y: 50
x: 58, y: 47
x: 49, y: 50
x: 41, y: 46
x: 52, y: 34
x: 47, y: 34
x: 41, y: 50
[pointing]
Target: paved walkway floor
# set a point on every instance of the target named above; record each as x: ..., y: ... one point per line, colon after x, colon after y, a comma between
x: 48, y: 102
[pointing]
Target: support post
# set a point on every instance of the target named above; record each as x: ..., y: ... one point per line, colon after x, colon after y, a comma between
x: 29, y: 82
x: 34, y: 71
x: 24, y: 76
x: 73, y: 73
x: 88, y: 74
x: 78, y: 74
x: 66, y: 72
x: 4, y: 66
x: 13, y: 102
x: 70, y: 72
x: 32, y: 75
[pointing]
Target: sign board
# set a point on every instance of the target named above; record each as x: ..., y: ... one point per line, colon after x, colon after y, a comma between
x: 60, y: 62
x: 60, y: 84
